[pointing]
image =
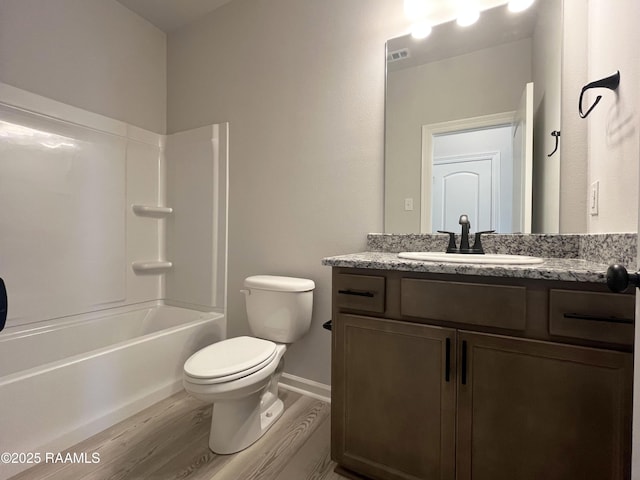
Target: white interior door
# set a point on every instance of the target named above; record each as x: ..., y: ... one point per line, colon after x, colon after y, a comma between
x: 470, y: 136
x: 465, y: 185
x: 523, y: 162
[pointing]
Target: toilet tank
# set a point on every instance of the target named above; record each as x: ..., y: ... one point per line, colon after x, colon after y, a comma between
x: 279, y: 308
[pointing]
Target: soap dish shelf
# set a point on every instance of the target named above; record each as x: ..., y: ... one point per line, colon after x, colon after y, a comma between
x: 151, y: 266
x: 151, y: 211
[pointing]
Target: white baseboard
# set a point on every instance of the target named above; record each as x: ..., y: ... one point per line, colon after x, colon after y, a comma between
x: 306, y: 387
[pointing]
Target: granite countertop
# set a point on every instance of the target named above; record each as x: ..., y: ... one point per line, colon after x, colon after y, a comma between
x: 561, y: 269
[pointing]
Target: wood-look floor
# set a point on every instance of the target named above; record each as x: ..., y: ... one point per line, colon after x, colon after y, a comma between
x: 169, y: 440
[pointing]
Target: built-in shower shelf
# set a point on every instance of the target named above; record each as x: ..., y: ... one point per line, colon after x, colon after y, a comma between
x: 152, y: 266
x: 151, y: 210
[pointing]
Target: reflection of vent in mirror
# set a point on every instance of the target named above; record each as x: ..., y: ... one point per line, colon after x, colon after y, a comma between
x: 397, y: 55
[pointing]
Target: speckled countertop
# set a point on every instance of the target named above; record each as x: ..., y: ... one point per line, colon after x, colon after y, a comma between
x: 573, y: 257
x: 561, y: 269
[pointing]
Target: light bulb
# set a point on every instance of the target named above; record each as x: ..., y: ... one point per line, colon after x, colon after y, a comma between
x: 468, y: 17
x: 516, y: 6
x: 420, y: 30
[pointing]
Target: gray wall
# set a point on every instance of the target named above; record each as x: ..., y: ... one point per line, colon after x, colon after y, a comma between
x: 302, y: 85
x: 614, y: 125
x: 92, y: 54
x: 600, y: 37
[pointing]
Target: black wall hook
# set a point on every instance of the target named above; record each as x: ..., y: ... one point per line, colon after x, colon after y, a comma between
x: 611, y: 83
x: 555, y: 133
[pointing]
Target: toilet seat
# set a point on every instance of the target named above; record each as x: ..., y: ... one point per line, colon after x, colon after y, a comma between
x: 229, y: 360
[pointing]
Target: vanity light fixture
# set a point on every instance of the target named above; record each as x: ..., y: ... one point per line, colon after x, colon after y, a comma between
x: 420, y: 30
x: 516, y: 6
x: 468, y: 12
x: 468, y: 17
x: 417, y: 11
x: 424, y: 14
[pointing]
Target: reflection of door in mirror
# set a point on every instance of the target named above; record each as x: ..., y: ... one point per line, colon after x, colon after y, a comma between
x: 482, y: 167
x: 470, y: 182
x: 483, y: 149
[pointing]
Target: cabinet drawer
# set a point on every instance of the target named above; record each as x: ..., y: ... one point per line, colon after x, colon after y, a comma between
x: 470, y: 303
x: 601, y: 317
x: 360, y: 292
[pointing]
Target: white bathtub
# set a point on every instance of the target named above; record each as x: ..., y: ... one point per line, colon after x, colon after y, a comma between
x: 63, y: 381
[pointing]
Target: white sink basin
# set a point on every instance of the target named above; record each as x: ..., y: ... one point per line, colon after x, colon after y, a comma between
x: 442, y: 257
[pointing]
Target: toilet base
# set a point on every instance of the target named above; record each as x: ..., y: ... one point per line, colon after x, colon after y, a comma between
x: 269, y: 416
x: 238, y: 424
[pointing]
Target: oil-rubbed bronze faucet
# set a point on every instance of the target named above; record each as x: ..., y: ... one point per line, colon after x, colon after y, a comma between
x: 466, y: 226
x: 464, y: 240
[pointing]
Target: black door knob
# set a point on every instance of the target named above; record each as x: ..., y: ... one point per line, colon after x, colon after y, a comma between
x: 618, y: 279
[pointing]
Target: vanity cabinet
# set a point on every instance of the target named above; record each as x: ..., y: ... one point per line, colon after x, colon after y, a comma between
x: 532, y: 410
x: 488, y: 379
x: 390, y: 394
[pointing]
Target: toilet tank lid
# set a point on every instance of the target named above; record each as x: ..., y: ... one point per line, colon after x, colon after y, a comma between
x: 279, y: 284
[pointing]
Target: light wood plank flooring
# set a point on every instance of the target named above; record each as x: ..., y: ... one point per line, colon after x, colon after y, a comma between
x: 169, y: 440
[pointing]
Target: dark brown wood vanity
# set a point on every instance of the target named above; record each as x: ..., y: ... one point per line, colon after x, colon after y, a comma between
x: 442, y: 376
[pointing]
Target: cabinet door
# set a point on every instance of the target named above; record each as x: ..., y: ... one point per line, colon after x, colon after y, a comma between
x: 393, y: 398
x: 531, y: 410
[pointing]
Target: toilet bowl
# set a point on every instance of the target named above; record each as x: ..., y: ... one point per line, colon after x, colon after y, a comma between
x: 240, y: 375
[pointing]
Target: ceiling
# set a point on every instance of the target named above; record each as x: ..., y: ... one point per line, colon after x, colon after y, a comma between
x: 168, y: 15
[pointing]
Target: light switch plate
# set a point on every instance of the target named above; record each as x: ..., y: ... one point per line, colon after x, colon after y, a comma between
x: 408, y: 204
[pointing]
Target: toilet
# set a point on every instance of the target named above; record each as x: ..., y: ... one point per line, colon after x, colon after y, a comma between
x: 240, y: 375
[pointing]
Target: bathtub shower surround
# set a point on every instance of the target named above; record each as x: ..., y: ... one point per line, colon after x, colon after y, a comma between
x: 87, y: 217
x: 197, y: 192
x: 97, y: 233
x: 62, y: 225
x: 66, y: 380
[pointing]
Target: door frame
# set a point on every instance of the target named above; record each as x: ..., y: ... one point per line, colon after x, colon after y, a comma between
x: 428, y: 132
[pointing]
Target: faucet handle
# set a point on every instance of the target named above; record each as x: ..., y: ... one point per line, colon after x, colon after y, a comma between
x: 451, y: 248
x: 477, y: 243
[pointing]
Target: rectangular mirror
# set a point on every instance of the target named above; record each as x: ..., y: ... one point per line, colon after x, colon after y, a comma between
x: 469, y: 117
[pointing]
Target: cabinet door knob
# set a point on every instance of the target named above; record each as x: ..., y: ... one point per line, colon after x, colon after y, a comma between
x: 618, y: 279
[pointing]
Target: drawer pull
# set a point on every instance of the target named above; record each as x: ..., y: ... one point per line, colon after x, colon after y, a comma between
x: 356, y: 293
x: 447, y: 360
x: 598, y: 318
